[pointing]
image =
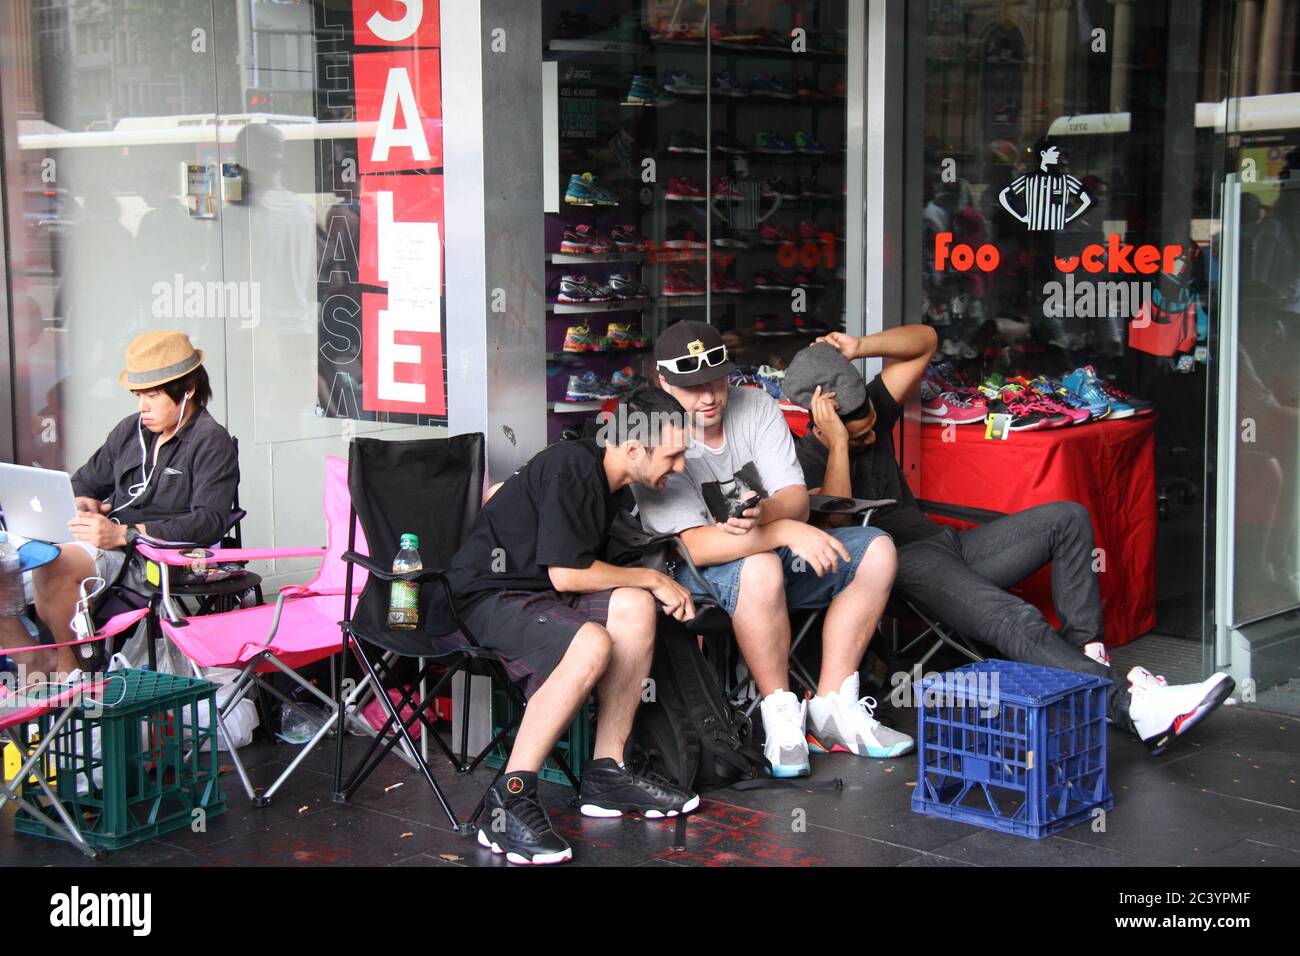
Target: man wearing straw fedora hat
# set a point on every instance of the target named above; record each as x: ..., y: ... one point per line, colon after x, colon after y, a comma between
x: 169, y: 471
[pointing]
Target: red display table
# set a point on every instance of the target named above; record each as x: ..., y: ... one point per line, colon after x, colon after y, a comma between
x: 1108, y: 467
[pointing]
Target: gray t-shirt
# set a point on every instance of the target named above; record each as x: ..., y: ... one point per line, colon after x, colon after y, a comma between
x: 757, y: 455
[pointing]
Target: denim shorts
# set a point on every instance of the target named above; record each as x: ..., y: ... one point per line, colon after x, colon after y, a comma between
x: 803, y: 588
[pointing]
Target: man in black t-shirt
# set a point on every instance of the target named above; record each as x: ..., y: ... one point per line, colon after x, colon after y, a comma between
x: 532, y: 583
x: 961, y: 577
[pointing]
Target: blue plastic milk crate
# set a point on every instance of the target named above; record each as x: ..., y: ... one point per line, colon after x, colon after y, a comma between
x: 1012, y: 747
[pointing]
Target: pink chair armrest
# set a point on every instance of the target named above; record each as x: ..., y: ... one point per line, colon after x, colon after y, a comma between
x: 174, y: 557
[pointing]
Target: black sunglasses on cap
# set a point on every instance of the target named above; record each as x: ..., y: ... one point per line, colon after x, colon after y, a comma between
x: 686, y: 364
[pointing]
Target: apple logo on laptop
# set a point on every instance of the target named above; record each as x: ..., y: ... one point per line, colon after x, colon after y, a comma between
x: 36, y: 504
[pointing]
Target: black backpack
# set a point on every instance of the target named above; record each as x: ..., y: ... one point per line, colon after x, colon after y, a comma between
x: 688, y: 732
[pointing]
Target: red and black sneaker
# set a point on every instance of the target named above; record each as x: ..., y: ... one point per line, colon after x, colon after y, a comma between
x: 584, y: 239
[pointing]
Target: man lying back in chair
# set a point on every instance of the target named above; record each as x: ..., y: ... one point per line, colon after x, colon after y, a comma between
x: 961, y: 577
x: 532, y: 584
x: 741, y: 509
x: 169, y: 471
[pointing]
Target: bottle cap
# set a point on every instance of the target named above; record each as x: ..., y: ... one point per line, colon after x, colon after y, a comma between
x: 410, y: 541
x: 4, y: 536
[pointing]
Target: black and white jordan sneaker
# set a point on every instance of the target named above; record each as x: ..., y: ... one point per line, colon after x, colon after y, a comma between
x: 515, y: 823
x: 609, y: 790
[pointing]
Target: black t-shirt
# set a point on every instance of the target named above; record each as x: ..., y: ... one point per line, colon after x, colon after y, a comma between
x: 874, y: 472
x: 555, y: 511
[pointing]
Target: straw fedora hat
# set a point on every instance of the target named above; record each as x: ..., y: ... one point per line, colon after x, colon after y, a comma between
x: 156, y: 358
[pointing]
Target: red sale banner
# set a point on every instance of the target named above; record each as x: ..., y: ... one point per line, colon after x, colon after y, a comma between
x: 401, y: 92
x: 396, y: 23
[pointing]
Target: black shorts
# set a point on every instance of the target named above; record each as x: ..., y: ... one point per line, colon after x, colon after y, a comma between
x: 532, y: 630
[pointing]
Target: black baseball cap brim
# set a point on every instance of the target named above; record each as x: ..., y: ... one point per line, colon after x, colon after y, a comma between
x: 675, y: 343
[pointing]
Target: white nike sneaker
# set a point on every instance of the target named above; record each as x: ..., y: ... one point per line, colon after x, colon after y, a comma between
x: 1097, y: 651
x: 1163, y: 712
x: 844, y: 723
x: 785, y: 745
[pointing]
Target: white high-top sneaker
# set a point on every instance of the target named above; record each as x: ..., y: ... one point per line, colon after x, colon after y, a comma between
x: 784, y: 744
x: 842, y: 722
x: 1163, y: 712
x: 1097, y: 651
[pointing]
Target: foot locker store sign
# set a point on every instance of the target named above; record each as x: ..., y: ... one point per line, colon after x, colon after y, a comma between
x: 382, y: 349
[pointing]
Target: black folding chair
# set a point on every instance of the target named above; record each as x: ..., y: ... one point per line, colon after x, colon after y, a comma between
x: 432, y: 488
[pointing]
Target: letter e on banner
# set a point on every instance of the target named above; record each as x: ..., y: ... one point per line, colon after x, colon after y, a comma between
x: 396, y: 23
x: 401, y: 93
x: 401, y: 358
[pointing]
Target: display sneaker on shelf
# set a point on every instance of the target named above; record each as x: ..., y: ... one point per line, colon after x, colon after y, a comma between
x: 812, y: 189
x: 770, y: 87
x: 621, y: 335
x: 1047, y: 385
x: 584, y: 239
x: 809, y: 231
x: 627, y: 238
x: 724, y: 84
x: 521, y: 830
x: 742, y: 376
x: 721, y: 33
x: 624, y: 286
x: 775, y: 186
x: 774, y: 40
x: 684, y: 189
x: 725, y: 238
x: 682, y: 235
x: 807, y: 280
x: 580, y: 289
x: 1025, y: 417
x: 805, y: 87
x: 684, y: 141
x: 809, y: 325
x: 1115, y: 394
x: 678, y: 283
x: 625, y: 149
x: 726, y: 144
x: 807, y: 144
x: 767, y: 326
x: 1085, y: 384
x: 727, y: 189
x: 588, y: 387
x: 683, y: 83
x: 785, y: 734
x: 843, y: 722
x: 622, y: 28
x: 1055, y: 412
x: 645, y: 92
x: 770, y: 233
x: 771, y: 143
x: 587, y: 190
x: 1163, y: 712
x: 1049, y: 400
x: 578, y: 338
x: 626, y: 379
x: 724, y: 284
x: 950, y: 408
x: 766, y: 281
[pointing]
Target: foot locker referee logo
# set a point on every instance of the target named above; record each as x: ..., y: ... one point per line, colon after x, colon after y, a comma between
x: 1048, y: 200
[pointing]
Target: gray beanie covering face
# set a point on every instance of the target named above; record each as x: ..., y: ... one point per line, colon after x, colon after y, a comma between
x: 824, y: 365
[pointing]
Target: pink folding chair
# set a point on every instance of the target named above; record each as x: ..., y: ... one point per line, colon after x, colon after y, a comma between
x: 22, y: 709
x: 301, y: 628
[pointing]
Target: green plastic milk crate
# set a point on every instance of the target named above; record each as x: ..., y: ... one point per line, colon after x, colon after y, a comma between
x: 141, y: 765
x: 576, y: 745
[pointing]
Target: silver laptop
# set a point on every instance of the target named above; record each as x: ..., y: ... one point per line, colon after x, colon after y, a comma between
x: 37, y: 502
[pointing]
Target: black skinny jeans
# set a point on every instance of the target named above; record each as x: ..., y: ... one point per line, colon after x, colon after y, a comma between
x: 961, y: 578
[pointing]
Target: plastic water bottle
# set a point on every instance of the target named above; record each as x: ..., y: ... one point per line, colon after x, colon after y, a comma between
x: 404, y: 596
x: 13, y: 600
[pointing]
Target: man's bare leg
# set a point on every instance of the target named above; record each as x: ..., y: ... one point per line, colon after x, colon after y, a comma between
x: 57, y: 591
x: 631, y: 627
x: 761, y: 622
x: 852, y: 617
